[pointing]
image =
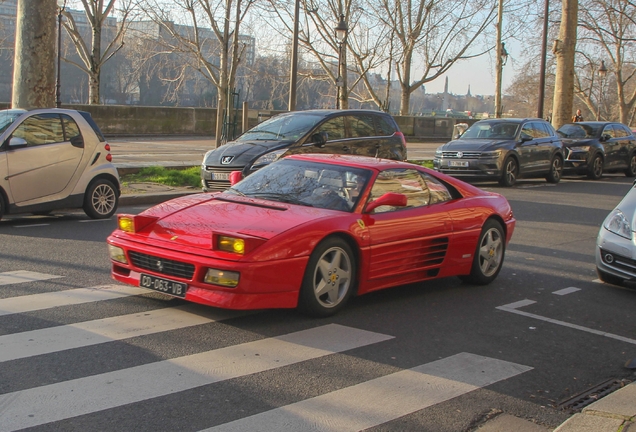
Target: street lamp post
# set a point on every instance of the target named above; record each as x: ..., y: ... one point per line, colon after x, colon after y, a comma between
x: 61, y: 5
x: 602, y: 72
x: 341, y: 82
x: 502, y: 58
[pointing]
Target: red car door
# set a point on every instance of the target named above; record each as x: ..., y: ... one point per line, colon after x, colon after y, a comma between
x: 407, y: 243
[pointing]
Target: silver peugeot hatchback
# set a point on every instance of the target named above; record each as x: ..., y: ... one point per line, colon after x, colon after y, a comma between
x: 54, y: 159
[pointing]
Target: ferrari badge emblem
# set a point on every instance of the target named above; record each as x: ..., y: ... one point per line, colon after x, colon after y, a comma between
x: 361, y: 223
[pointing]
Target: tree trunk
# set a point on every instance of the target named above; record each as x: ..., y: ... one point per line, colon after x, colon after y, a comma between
x: 223, y: 76
x: 34, y: 63
x: 564, y: 50
x: 94, y: 76
x: 405, y: 97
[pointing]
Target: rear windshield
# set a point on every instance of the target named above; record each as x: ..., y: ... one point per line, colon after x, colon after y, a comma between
x: 90, y: 121
x: 287, y: 127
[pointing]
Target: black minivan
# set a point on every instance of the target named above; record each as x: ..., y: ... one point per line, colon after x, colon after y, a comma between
x: 358, y: 132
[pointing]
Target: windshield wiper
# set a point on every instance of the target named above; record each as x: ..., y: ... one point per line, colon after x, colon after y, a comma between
x: 285, y: 198
x: 235, y: 191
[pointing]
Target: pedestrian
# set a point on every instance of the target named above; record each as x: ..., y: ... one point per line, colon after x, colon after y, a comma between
x: 578, y: 117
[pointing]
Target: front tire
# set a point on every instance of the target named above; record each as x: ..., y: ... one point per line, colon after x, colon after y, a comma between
x: 329, y: 278
x: 595, y: 171
x: 101, y: 199
x: 489, y: 254
x: 510, y: 172
x: 631, y: 166
x: 556, y: 168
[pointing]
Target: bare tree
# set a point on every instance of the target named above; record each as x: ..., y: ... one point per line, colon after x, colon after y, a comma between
x: 437, y: 33
x: 607, y: 32
x: 211, y: 31
x: 91, y: 55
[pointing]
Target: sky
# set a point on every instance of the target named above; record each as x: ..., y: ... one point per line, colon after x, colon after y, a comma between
x: 479, y: 73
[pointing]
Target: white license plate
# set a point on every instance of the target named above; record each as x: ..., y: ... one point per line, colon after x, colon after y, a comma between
x: 458, y: 163
x: 167, y: 286
x: 220, y: 175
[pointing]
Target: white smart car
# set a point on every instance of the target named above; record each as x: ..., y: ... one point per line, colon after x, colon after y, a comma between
x: 54, y: 159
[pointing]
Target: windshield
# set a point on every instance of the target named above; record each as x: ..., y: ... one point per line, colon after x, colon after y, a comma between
x: 309, y: 184
x: 7, y: 117
x: 289, y: 127
x: 579, y: 131
x: 491, y: 130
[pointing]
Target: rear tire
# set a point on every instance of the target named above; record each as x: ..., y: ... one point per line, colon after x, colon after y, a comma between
x: 595, y: 170
x: 631, y: 166
x: 510, y: 172
x: 489, y: 254
x: 609, y: 278
x: 101, y: 199
x: 329, y: 279
x: 1, y: 206
x: 556, y: 168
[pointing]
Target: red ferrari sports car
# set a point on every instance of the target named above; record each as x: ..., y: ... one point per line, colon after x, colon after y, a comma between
x: 310, y: 231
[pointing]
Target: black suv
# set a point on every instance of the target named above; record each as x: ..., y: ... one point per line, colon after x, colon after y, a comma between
x: 503, y: 150
x: 359, y: 132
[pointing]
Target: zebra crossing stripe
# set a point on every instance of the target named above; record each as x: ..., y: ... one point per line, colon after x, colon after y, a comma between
x: 21, y: 276
x: 34, y: 302
x: 54, y: 402
x: 378, y: 401
x: 54, y: 339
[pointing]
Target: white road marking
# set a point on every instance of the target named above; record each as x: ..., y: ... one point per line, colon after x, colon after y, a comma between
x: 21, y: 276
x: 566, y: 291
x: 512, y: 307
x: 96, y: 220
x: 30, y: 226
x: 34, y: 302
x: 54, y: 402
x: 55, y: 339
x: 382, y: 399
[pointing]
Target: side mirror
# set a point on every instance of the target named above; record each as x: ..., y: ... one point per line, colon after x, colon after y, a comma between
x: 17, y: 142
x: 605, y: 137
x: 389, y: 199
x: 320, y: 139
x: 525, y: 137
x: 235, y: 177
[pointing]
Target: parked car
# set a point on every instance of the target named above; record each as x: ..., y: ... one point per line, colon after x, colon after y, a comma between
x: 592, y: 148
x: 52, y: 159
x: 358, y: 132
x: 310, y: 231
x: 616, y: 245
x: 503, y: 150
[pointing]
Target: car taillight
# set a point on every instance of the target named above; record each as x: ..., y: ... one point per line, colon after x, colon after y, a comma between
x: 107, y: 147
x: 109, y: 157
x: 401, y: 135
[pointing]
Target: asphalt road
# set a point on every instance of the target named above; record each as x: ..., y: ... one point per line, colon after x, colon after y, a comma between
x: 109, y: 359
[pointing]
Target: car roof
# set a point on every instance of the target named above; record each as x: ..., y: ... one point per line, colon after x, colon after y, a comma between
x: 511, y: 120
x: 325, y: 112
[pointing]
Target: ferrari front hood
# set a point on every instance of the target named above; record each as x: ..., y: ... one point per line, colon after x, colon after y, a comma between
x: 191, y: 222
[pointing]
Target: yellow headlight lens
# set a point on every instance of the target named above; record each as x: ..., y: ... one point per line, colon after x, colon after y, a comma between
x: 126, y: 224
x: 231, y: 244
x: 222, y: 277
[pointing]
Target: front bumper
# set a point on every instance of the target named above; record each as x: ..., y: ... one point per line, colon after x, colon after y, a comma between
x: 477, y: 168
x: 262, y: 285
x: 577, y: 162
x: 616, y: 255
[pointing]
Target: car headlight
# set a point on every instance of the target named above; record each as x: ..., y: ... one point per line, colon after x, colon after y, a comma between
x: 439, y: 152
x: 491, y: 154
x: 618, y: 224
x: 117, y: 254
x: 268, y: 158
x: 580, y: 148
